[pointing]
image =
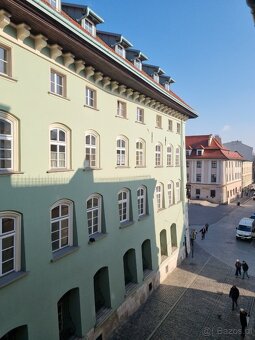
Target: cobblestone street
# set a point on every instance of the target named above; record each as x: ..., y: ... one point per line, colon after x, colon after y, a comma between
x: 193, y: 303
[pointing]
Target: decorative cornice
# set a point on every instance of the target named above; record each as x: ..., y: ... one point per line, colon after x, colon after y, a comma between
x: 136, y: 95
x: 40, y: 42
x: 106, y: 81
x: 89, y: 71
x: 114, y: 85
x: 68, y: 59
x: 55, y: 51
x: 79, y: 65
x: 122, y: 89
x: 4, y: 18
x: 23, y: 31
x: 98, y: 76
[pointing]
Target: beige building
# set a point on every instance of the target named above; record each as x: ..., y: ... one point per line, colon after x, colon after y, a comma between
x: 214, y: 173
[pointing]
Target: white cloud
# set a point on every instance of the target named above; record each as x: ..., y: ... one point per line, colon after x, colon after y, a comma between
x: 226, y: 128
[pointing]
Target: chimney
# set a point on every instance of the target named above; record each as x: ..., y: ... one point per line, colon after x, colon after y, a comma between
x: 217, y: 137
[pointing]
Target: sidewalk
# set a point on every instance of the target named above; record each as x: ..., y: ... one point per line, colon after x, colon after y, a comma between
x: 193, y: 303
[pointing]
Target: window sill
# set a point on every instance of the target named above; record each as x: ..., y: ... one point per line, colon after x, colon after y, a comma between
x: 91, y: 107
x: 63, y: 252
x: 170, y: 130
x: 137, y: 121
x: 10, y: 278
x: 7, y: 77
x: 143, y: 217
x: 91, y: 169
x: 58, y: 96
x: 122, y: 167
x: 96, y: 237
x: 126, y: 224
x: 58, y: 170
x: 158, y: 166
x: 169, y: 166
x: 159, y: 127
x: 130, y: 288
x: 140, y: 166
x: 102, y: 315
x: 161, y: 209
x: 121, y: 117
x: 8, y: 173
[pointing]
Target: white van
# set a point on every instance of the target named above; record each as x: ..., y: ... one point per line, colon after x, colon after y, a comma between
x: 245, y: 229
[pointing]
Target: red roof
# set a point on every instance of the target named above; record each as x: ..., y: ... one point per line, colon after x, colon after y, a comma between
x: 213, y: 149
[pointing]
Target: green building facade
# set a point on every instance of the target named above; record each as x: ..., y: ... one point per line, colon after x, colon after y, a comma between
x: 92, y: 176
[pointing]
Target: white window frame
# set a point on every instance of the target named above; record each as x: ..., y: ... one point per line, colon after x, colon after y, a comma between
x: 6, y: 63
x: 91, y: 150
x: 159, y: 192
x: 15, y: 234
x: 120, y: 50
x: 58, y: 143
x: 56, y: 87
x: 90, y: 97
x: 140, y: 153
x: 159, y: 121
x: 169, y: 155
x: 121, y: 151
x: 178, y: 128
x: 170, y: 193
x: 178, y: 156
x: 89, y: 26
x: 156, y: 77
x: 199, y: 164
x: 140, y: 115
x: 121, y: 109
x: 94, y: 213
x: 141, y: 201
x: 177, y: 191
x: 60, y: 219
x: 170, y: 125
x: 167, y: 86
x: 214, y: 164
x: 138, y: 63
x: 158, y: 155
x: 124, y: 205
x: 13, y: 139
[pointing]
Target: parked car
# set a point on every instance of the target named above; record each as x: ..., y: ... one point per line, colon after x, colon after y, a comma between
x: 246, y: 229
x: 253, y: 216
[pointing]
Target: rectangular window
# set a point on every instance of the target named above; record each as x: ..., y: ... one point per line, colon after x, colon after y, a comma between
x: 5, y: 61
x: 156, y: 77
x: 121, y: 109
x: 170, y: 125
x: 198, y: 178
x: 138, y: 63
x: 140, y: 115
x: 213, y: 178
x: 178, y: 128
x: 158, y: 121
x: 214, y: 164
x: 120, y: 50
x: 187, y: 164
x: 197, y: 191
x: 89, y: 26
x: 199, y: 152
x: 90, y: 97
x: 212, y: 193
x: 199, y: 164
x: 57, y: 83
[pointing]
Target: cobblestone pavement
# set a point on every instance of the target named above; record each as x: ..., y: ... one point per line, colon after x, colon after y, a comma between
x: 193, y: 303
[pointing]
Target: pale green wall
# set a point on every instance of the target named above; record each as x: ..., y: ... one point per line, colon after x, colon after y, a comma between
x: 33, y: 300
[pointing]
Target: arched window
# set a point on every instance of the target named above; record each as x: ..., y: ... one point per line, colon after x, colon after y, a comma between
x: 123, y: 203
x: 61, y: 225
x: 163, y: 245
x: 10, y: 242
x: 140, y: 153
x: 169, y: 155
x: 159, y: 196
x: 91, y: 150
x: 173, y: 233
x: 59, y: 147
x: 177, y: 156
x: 122, y: 151
x: 170, y: 192
x: 141, y: 201
x: 177, y: 191
x: 94, y: 208
x: 158, y: 155
x: 8, y: 143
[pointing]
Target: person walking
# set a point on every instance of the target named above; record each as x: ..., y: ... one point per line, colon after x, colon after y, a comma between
x: 243, y: 321
x: 234, y: 294
x: 202, y: 231
x: 238, y: 266
x: 245, y: 269
x: 206, y: 227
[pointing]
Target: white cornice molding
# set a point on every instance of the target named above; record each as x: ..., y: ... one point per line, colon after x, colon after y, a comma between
x: 23, y: 31
x: 4, y: 18
x: 55, y: 51
x: 40, y: 42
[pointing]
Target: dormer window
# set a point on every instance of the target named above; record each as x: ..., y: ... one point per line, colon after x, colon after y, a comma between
x: 89, y: 26
x: 156, y: 77
x: 120, y: 50
x: 138, y: 63
x: 55, y: 4
x: 188, y: 152
x: 200, y: 152
x: 167, y: 86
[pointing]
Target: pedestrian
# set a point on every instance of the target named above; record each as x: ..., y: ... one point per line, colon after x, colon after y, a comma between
x: 234, y: 294
x: 206, y: 227
x: 243, y: 321
x: 238, y: 266
x: 245, y: 269
x: 202, y: 231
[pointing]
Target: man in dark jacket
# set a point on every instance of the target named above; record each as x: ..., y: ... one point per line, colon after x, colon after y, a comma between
x: 234, y: 294
x: 243, y: 320
x: 238, y: 266
x: 245, y: 269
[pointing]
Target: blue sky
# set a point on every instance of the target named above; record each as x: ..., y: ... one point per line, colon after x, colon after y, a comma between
x: 207, y: 46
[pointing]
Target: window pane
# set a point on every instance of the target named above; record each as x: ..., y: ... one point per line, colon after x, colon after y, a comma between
x: 64, y: 241
x: 8, y: 242
x: 7, y: 254
x: 8, y: 266
x: 7, y: 225
x: 5, y: 127
x: 55, y: 245
x: 55, y: 236
x: 54, y: 226
x: 55, y: 212
x: 54, y: 134
x: 62, y: 136
x: 64, y: 210
x: 64, y: 224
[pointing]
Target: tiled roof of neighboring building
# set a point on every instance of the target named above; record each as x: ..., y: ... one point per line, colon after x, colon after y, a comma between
x: 213, y: 149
